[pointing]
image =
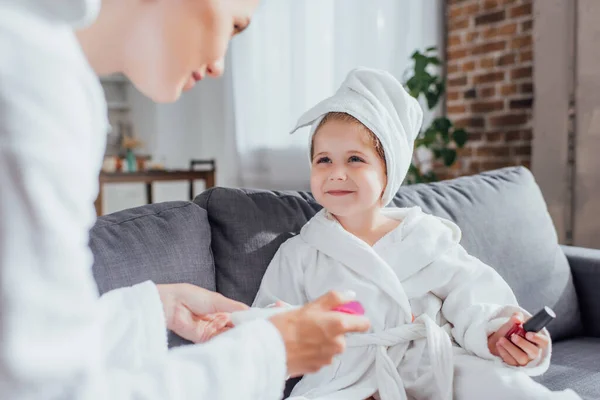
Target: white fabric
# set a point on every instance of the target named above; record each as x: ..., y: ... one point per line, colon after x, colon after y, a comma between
x: 58, y: 339
x: 296, y: 53
x: 379, y: 102
x: 417, y: 269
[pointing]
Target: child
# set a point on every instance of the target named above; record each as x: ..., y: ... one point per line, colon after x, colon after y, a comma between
x: 438, y: 315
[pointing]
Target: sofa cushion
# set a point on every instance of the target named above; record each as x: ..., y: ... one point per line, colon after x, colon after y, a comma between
x: 575, y: 365
x: 165, y: 243
x: 502, y: 214
x: 248, y: 226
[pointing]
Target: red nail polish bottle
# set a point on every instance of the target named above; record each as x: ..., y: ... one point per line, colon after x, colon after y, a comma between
x: 534, y: 324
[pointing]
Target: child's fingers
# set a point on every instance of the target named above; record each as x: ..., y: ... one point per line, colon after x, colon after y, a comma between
x: 519, y: 355
x: 516, y: 318
x: 506, y: 357
x: 531, y: 349
x: 539, y: 339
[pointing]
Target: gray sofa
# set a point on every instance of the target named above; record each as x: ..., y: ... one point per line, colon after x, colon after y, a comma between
x: 225, y: 239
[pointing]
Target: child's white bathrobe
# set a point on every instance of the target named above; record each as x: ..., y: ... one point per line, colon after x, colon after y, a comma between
x: 419, y: 269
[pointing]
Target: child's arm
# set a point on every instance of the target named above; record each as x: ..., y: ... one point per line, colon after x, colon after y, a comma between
x: 478, y: 302
x: 284, y: 278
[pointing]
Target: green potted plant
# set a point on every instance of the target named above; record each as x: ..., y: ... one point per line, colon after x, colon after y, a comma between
x: 441, y: 137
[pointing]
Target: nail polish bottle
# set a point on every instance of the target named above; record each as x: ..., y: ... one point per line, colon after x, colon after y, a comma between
x: 353, y: 307
x: 534, y: 324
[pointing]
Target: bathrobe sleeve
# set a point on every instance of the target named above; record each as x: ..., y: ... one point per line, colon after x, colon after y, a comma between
x: 284, y: 278
x: 477, y: 301
x: 58, y: 339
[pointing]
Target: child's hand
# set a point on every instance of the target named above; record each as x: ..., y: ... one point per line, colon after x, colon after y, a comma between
x: 517, y: 351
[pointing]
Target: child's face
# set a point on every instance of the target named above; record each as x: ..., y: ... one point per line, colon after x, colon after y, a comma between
x: 176, y: 42
x: 347, y: 175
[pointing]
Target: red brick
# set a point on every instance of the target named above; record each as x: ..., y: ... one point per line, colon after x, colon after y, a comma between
x: 490, y: 165
x: 466, y: 10
x: 456, y: 25
x: 526, y: 87
x: 455, y: 12
x: 474, y: 167
x: 456, y: 54
x: 490, y: 77
x: 473, y: 9
x: 504, y: 30
x: 472, y: 122
x: 487, y: 92
x: 470, y: 94
x: 494, y: 136
x: 471, y: 36
x: 509, y: 120
x: 489, y: 4
x: 493, y: 151
x: 519, y: 73
x: 527, y: 135
x: 474, y: 137
x: 468, y: 66
x: 526, y: 164
x: 523, y: 150
x: 506, y: 90
x: 452, y: 96
x: 490, y: 18
x: 461, y: 81
x: 454, y: 40
x: 521, y: 42
x: 489, y: 47
x: 507, y: 59
x: 465, y: 152
x: 513, y: 136
x: 451, y: 68
x: 459, y: 109
x: 520, y: 11
x: 486, y: 63
x: 521, y: 103
x: 526, y: 26
x: 526, y: 56
x: 485, y: 107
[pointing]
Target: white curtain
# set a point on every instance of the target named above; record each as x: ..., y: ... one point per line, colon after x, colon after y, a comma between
x: 295, y: 54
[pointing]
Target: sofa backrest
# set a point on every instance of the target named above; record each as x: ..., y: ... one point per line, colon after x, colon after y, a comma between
x: 166, y: 243
x: 502, y: 214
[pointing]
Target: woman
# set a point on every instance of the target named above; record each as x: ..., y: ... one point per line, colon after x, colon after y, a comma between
x: 58, y: 338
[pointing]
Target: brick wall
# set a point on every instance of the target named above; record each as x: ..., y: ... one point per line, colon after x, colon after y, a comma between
x: 489, y: 81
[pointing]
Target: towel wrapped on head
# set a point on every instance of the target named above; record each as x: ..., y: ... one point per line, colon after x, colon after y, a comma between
x: 380, y: 103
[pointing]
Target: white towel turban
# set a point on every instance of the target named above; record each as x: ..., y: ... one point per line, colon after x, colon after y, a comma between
x: 380, y: 103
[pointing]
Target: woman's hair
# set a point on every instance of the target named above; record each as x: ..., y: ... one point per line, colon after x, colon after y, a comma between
x: 345, y: 117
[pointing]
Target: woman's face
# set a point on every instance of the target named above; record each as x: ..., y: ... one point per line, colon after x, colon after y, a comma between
x: 175, y: 43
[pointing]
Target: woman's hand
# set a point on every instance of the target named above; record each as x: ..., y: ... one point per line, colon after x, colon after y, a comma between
x: 517, y: 351
x: 314, y: 334
x: 194, y: 313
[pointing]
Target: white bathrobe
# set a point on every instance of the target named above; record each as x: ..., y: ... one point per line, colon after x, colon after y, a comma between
x: 418, y: 270
x: 58, y: 338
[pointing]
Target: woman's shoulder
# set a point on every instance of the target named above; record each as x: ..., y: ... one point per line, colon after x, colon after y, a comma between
x: 48, y: 87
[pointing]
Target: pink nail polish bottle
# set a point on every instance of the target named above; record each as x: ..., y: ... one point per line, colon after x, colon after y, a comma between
x: 534, y: 324
x: 353, y: 307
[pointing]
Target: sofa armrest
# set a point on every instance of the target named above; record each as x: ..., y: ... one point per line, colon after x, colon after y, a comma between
x: 585, y: 267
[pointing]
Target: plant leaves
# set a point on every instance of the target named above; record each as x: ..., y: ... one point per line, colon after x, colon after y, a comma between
x: 460, y: 137
x: 442, y: 124
x: 449, y: 156
x: 434, y: 60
